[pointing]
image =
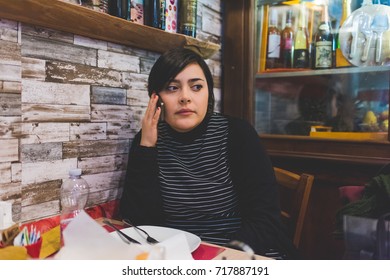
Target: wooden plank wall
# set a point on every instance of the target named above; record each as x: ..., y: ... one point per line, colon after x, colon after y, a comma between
x: 69, y: 101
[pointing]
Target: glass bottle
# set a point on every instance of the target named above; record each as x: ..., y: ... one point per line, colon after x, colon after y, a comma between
x: 150, y: 12
x: 171, y: 15
x: 287, y: 39
x: 162, y: 15
x: 137, y: 11
x: 119, y: 8
x: 73, y: 196
x: 188, y: 15
x: 324, y: 43
x: 341, y: 61
x: 104, y: 6
x: 301, y: 43
x: 273, y: 39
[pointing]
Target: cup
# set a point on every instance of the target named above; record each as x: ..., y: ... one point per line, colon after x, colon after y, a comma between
x: 33, y: 250
x: 5, y: 214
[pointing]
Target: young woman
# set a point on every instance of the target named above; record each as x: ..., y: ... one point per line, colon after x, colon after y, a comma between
x: 200, y: 171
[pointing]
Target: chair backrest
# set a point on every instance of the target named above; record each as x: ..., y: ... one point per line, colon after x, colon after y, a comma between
x: 294, y: 192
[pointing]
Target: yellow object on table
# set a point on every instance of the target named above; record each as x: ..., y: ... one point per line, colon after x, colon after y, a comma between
x: 8, y: 235
x: 51, y: 242
x: 13, y: 253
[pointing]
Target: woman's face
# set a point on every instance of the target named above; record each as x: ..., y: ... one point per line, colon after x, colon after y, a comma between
x: 185, y: 99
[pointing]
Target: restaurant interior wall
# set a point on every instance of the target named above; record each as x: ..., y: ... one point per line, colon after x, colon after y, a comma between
x: 72, y: 101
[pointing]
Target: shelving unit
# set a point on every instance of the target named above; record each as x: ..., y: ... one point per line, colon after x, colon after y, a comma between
x: 79, y: 20
x: 333, y: 161
x: 271, y: 95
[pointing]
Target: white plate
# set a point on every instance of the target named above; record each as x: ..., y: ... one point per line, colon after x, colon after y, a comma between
x: 161, y: 234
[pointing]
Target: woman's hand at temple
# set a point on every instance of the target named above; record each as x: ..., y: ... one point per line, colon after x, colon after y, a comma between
x: 150, y: 122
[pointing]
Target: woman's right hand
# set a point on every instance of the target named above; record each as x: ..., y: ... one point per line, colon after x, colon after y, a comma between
x: 150, y: 122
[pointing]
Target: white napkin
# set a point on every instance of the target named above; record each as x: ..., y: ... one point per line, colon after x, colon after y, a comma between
x: 84, y: 239
x: 176, y: 248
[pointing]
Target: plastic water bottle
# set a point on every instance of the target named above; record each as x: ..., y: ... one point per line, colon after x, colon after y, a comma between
x: 74, y: 196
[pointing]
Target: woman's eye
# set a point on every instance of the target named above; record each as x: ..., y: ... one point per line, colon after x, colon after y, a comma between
x: 171, y: 88
x: 197, y: 87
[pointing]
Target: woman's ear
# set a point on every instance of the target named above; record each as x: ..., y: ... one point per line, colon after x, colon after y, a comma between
x: 162, y: 114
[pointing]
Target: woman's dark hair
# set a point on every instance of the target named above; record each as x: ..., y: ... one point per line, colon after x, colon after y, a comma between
x: 171, y: 63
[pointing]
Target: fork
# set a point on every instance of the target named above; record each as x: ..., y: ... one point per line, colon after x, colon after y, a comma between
x: 123, y: 236
x: 379, y: 25
x: 149, y: 239
x: 365, y: 28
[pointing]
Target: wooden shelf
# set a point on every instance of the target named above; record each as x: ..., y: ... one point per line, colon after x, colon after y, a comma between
x: 356, y: 151
x: 310, y: 72
x: 79, y: 20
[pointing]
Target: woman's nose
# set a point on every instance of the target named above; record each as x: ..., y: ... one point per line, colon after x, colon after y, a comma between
x: 185, y: 100
x: 185, y: 96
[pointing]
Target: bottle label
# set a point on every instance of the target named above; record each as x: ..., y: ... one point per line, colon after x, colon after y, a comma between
x: 171, y: 16
x: 300, y: 40
x: 288, y: 44
x: 188, y: 17
x: 323, y: 54
x: 301, y: 58
x: 188, y: 12
x: 162, y: 15
x: 273, y: 46
x: 137, y: 11
x: 324, y: 27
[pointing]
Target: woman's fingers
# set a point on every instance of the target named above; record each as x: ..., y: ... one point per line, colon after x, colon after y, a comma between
x: 150, y: 122
x: 151, y: 109
x: 153, y: 112
x: 157, y: 114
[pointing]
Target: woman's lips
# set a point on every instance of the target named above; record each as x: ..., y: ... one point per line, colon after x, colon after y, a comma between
x: 184, y: 112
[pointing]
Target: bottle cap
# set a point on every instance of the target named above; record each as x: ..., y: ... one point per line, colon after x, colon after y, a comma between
x: 75, y: 172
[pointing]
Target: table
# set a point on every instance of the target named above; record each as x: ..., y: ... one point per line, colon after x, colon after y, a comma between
x: 207, y: 251
x: 233, y: 254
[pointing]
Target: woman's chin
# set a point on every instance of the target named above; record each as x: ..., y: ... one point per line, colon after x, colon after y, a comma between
x: 184, y: 125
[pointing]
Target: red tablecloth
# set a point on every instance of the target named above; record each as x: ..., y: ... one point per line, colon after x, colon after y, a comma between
x: 206, y: 252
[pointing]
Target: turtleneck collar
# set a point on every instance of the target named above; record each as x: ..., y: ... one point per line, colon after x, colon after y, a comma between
x: 189, y: 136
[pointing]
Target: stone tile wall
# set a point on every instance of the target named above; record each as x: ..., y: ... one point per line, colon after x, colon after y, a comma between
x: 69, y: 101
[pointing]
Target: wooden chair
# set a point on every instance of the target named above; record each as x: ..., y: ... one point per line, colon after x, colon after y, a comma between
x: 294, y: 192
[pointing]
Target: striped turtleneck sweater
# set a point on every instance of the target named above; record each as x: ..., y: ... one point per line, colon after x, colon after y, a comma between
x: 196, y: 186
x: 215, y: 181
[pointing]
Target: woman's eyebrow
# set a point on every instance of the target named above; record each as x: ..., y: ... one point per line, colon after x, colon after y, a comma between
x: 190, y: 80
x: 196, y: 79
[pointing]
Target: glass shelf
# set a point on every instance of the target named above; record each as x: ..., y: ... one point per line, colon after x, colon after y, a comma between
x: 338, y: 103
x: 309, y: 72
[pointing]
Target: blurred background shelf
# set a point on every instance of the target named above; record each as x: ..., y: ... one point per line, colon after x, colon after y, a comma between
x: 269, y: 100
x: 79, y: 20
x: 308, y: 72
